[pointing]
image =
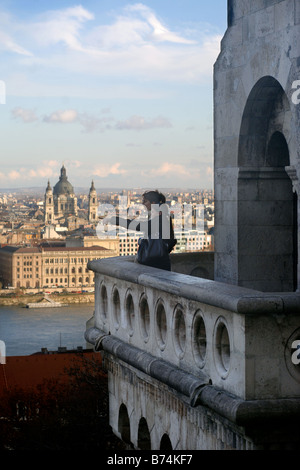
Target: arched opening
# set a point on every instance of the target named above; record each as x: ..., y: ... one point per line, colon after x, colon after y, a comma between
x: 165, y: 443
x: 124, y: 424
x: 277, y: 151
x: 144, y: 440
x: 267, y: 207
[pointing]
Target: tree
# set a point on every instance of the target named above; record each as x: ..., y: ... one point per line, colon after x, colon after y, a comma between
x: 60, y: 414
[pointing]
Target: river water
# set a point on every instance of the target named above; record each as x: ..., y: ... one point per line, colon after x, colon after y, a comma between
x: 27, y: 330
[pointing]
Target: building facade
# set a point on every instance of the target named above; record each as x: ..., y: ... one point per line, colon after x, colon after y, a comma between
x: 60, y: 203
x: 49, y: 267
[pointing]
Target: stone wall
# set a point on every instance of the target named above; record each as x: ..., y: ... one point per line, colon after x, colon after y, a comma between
x: 257, y: 146
x: 220, y: 356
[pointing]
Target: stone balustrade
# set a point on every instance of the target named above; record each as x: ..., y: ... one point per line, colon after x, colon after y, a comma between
x: 237, y: 340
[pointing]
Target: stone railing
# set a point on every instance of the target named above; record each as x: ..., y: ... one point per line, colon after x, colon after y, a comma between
x: 235, y: 340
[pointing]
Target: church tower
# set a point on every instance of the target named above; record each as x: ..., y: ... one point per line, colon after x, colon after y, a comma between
x: 49, y: 205
x: 93, y: 204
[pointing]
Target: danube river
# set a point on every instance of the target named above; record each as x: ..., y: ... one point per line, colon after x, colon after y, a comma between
x: 27, y: 330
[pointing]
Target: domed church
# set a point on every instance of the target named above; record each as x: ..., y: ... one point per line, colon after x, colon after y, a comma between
x: 61, y: 202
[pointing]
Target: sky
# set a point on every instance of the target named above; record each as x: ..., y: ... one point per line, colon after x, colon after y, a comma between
x: 120, y: 92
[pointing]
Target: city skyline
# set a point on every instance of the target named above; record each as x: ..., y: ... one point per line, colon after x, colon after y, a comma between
x: 119, y: 92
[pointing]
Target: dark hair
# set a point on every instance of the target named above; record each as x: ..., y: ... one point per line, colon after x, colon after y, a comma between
x: 155, y: 197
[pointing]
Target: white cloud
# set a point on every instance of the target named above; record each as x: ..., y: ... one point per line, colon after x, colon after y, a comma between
x: 62, y: 116
x: 47, y: 170
x: 41, y: 173
x: 135, y: 45
x: 171, y: 170
x: 8, y: 44
x: 159, y: 32
x: 14, y: 175
x: 52, y: 163
x: 91, y: 123
x: 60, y: 26
x: 168, y: 169
x: 25, y: 115
x: 140, y: 123
x: 106, y: 170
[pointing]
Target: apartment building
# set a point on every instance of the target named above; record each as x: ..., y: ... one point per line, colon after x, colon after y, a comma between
x: 128, y: 242
x: 193, y: 240
x: 46, y: 267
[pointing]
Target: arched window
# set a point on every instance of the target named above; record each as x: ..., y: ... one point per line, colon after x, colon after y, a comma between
x: 165, y: 443
x: 124, y: 424
x: 144, y: 440
x: 267, y: 249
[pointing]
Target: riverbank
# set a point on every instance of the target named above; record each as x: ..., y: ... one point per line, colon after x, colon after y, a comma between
x: 22, y: 300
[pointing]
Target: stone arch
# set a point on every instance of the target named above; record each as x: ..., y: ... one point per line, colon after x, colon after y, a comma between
x: 267, y: 226
x: 124, y: 424
x: 144, y: 440
x: 264, y: 112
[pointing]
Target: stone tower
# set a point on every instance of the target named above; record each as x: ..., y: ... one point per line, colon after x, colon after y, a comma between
x: 49, y: 205
x: 93, y: 204
x: 257, y: 146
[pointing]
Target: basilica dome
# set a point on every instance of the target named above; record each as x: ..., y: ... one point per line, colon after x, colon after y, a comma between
x: 63, y: 186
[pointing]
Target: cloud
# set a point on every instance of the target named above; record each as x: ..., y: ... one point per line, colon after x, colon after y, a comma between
x: 159, y: 31
x: 52, y: 163
x: 14, y: 175
x: 47, y: 170
x: 191, y: 171
x: 25, y: 115
x: 61, y: 26
x: 91, y: 123
x: 139, y: 123
x: 135, y: 45
x: 8, y: 44
x: 167, y: 168
x: 41, y: 173
x: 106, y: 170
x: 65, y: 116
